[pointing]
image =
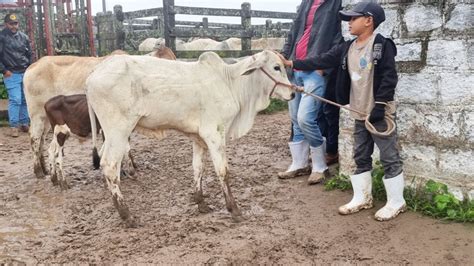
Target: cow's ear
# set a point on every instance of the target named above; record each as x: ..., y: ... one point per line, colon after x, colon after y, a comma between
x: 249, y: 71
x: 252, y: 67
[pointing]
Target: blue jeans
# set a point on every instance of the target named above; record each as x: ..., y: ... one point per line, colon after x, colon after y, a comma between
x: 304, y: 109
x: 17, y: 110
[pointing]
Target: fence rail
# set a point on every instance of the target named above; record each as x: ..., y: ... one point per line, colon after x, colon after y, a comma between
x: 130, y: 28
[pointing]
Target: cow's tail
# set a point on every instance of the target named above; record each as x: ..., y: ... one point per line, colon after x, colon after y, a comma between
x: 95, y: 154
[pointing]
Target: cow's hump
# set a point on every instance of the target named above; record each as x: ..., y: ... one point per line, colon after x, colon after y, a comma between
x: 210, y: 58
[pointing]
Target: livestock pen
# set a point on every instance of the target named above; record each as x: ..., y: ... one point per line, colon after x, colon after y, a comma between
x: 125, y: 30
x: 55, y: 27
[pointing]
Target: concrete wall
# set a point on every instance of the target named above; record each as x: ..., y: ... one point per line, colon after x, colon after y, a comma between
x: 435, y: 92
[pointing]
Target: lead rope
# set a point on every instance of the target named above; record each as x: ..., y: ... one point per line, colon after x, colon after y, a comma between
x: 370, y: 127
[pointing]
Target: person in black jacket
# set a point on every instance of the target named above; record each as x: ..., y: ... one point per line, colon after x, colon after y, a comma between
x: 15, y: 57
x: 315, y: 30
x: 366, y: 80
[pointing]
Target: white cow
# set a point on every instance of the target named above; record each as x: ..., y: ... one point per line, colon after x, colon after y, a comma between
x: 208, y: 100
x: 268, y: 43
x: 149, y: 44
x: 203, y: 45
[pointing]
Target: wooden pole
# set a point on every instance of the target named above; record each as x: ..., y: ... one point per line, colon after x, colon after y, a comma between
x: 170, y: 22
x: 41, y: 38
x: 47, y: 28
x: 246, y: 18
x: 61, y: 17
x: 118, y: 28
x: 70, y: 24
x: 92, y: 51
x: 30, y: 28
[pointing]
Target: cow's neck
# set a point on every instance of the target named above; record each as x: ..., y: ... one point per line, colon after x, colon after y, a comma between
x: 248, y: 92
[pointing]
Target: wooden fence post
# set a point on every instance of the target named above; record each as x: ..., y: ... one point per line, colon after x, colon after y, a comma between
x: 105, y: 32
x: 118, y: 28
x: 268, y: 28
x: 61, y: 15
x: 48, y: 29
x: 205, y: 23
x: 170, y: 22
x: 278, y: 29
x: 82, y: 26
x: 41, y: 40
x: 99, y: 22
x: 246, y: 18
x: 90, y: 31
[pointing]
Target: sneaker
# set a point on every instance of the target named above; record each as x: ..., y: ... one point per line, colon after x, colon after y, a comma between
x: 24, y: 128
x: 14, y: 132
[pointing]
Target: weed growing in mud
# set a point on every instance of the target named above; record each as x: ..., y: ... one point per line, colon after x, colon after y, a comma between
x: 432, y: 198
x: 339, y: 181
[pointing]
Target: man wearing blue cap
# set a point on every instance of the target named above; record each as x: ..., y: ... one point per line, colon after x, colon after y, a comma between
x: 15, y: 57
x: 366, y: 80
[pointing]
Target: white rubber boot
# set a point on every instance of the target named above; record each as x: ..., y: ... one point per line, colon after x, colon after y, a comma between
x: 362, y: 199
x: 319, y: 167
x: 300, y: 160
x: 395, y: 202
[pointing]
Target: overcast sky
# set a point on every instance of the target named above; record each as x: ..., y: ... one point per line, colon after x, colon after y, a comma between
x: 271, y: 5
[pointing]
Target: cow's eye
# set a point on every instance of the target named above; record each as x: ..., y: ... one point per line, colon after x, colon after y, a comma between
x: 277, y: 68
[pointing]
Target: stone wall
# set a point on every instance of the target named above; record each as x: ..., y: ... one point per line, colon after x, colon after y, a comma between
x: 435, y: 92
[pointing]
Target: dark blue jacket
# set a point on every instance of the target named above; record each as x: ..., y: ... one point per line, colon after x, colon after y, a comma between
x: 15, y: 51
x: 385, y: 73
x: 325, y: 32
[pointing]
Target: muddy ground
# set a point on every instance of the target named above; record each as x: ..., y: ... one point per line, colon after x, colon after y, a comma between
x: 287, y: 222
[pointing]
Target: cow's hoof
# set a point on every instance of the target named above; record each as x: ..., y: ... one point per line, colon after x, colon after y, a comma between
x: 54, y: 180
x: 204, y: 208
x: 39, y: 173
x: 238, y: 218
x: 131, y: 222
x: 128, y: 174
x: 121, y: 208
x: 64, y: 185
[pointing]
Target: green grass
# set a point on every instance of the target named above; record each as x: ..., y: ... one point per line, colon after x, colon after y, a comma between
x: 3, y: 91
x: 4, y: 123
x: 275, y: 106
x: 432, y: 198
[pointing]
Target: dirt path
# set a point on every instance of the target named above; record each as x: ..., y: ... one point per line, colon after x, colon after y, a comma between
x: 287, y: 222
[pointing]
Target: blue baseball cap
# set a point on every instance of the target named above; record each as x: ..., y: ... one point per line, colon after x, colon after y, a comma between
x: 367, y: 9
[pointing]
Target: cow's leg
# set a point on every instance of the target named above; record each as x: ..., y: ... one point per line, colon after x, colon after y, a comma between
x: 131, y: 162
x: 38, y: 129
x: 61, y: 133
x: 115, y: 147
x: 52, y: 153
x: 128, y: 165
x: 198, y: 154
x: 216, y: 146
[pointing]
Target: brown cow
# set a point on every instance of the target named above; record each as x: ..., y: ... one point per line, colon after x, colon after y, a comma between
x: 70, y: 114
x: 163, y: 52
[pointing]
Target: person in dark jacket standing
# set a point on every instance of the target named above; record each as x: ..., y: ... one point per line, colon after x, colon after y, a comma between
x: 315, y: 30
x: 367, y: 78
x: 15, y: 57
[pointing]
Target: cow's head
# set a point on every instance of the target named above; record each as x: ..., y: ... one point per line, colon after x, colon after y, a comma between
x: 272, y: 76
